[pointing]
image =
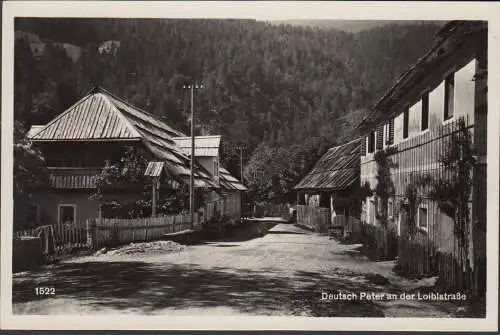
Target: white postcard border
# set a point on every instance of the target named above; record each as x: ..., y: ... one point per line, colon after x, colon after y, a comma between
x: 262, y: 11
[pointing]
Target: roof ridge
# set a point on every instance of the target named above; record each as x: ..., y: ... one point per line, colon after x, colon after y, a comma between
x: 122, y: 117
x: 203, y: 136
x: 341, y: 145
x: 103, y: 90
x: 57, y: 118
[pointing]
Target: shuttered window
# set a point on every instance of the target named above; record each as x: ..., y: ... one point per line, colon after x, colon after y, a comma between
x: 425, y: 112
x: 387, y: 134
x: 363, y: 146
x: 406, y: 120
x: 371, y: 141
x: 391, y: 132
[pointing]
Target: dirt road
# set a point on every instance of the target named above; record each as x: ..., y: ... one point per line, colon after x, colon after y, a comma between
x: 285, y: 272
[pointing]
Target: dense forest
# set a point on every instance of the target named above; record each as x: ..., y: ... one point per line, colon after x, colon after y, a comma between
x: 286, y: 93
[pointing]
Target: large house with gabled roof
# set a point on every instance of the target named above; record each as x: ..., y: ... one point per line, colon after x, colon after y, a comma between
x: 79, y: 142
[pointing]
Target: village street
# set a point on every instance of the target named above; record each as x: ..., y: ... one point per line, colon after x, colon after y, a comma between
x: 281, y: 272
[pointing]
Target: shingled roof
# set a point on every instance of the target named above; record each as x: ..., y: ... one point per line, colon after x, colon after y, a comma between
x: 228, y: 182
x: 101, y: 116
x: 448, y: 40
x: 336, y: 170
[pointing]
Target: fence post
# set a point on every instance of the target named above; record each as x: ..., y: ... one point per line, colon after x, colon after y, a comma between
x: 91, y: 228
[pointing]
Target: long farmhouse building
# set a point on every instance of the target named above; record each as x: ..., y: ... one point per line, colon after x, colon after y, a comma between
x: 431, y: 124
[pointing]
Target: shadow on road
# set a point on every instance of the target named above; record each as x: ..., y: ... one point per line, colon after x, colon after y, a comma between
x: 151, y: 288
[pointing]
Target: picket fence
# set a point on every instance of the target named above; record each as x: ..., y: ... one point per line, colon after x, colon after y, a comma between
x: 99, y: 233
x: 114, y: 232
x: 65, y: 236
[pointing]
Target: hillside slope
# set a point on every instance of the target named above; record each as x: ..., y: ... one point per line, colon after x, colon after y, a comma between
x: 286, y: 92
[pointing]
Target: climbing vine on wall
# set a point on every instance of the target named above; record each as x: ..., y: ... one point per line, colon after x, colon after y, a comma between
x: 129, y: 169
x: 452, y: 192
x: 385, y: 186
x: 413, y: 197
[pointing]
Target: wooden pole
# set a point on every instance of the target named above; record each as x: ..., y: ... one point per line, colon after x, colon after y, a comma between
x: 191, y: 179
x: 191, y: 176
x: 154, y: 190
x: 241, y: 163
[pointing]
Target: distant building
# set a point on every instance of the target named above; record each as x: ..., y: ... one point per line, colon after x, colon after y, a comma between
x: 418, y: 118
x: 207, y: 149
x: 331, y: 186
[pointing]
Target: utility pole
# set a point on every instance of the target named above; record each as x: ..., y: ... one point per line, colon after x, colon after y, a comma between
x: 191, y: 176
x: 241, y: 163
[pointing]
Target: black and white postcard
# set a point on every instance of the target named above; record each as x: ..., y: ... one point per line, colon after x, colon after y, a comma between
x: 256, y: 165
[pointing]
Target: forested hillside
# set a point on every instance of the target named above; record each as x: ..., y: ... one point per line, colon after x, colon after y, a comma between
x: 286, y: 92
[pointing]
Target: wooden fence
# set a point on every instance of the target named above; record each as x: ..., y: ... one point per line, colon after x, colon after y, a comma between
x: 379, y: 243
x: 315, y: 218
x: 277, y: 210
x: 64, y: 236
x: 98, y: 233
x: 115, y: 232
x: 418, y: 257
x: 347, y: 228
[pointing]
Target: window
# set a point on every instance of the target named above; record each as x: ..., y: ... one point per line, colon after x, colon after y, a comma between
x: 371, y: 141
x: 423, y: 217
x: 449, y: 96
x: 33, y: 215
x: 386, y: 135
x: 425, y: 112
x: 67, y: 214
x: 406, y: 120
x: 390, y: 209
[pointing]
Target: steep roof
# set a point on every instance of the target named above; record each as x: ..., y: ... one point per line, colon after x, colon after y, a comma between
x: 448, y: 40
x: 228, y: 182
x: 336, y: 170
x: 205, y: 146
x: 101, y: 116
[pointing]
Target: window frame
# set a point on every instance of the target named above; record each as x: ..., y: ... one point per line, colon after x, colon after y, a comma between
x: 59, y: 206
x: 385, y: 135
x: 371, y: 144
x: 423, y: 206
x: 406, y: 122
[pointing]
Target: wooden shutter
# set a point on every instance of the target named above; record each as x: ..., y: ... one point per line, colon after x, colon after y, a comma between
x: 390, y: 140
x: 380, y: 138
x: 363, y: 146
